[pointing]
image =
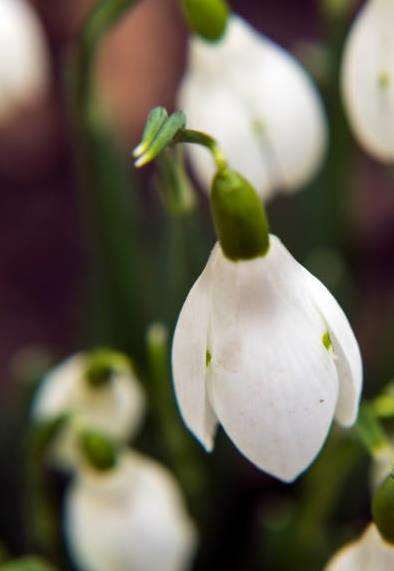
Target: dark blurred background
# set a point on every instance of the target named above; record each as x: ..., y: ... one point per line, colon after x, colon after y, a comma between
x: 44, y: 261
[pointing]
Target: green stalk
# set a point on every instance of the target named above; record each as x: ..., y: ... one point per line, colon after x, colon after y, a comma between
x: 183, y: 454
x: 101, y: 19
x: 107, y: 199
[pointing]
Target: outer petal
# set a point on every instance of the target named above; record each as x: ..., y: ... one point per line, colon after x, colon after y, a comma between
x: 256, y: 99
x: 369, y: 553
x: 368, y: 78
x: 189, y: 356
x: 24, y: 68
x: 215, y: 108
x: 133, y: 518
x: 272, y: 383
x: 347, y: 352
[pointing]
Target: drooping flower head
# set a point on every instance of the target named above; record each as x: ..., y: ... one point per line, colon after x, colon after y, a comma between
x: 261, y: 106
x: 98, y: 390
x: 368, y: 78
x: 261, y: 346
x: 24, y: 67
x: 131, y: 517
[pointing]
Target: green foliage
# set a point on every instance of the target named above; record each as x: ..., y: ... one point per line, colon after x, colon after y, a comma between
x: 27, y: 564
x: 383, y: 508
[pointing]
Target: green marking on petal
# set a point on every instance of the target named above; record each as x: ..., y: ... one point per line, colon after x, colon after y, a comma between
x: 326, y: 339
x: 384, y: 80
x: 258, y: 126
x: 208, y: 358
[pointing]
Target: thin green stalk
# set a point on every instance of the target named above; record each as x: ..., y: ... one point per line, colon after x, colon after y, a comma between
x: 370, y: 431
x: 104, y: 15
x: 183, y: 455
x: 107, y: 200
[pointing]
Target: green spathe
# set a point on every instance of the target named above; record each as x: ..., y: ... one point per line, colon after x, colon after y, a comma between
x: 207, y: 18
x: 239, y: 217
x: 98, y: 450
x: 103, y: 364
x: 383, y: 509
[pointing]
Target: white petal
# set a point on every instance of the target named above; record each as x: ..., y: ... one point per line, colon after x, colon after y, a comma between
x: 189, y: 355
x: 369, y: 57
x: 347, y: 352
x: 272, y: 383
x: 369, y: 553
x: 24, y: 67
x: 214, y: 108
x: 131, y: 518
x: 256, y: 99
x: 117, y: 410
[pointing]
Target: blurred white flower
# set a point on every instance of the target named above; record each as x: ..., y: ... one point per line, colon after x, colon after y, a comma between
x: 132, y: 518
x: 115, y: 408
x: 260, y: 104
x: 369, y: 553
x: 24, y: 65
x: 262, y: 347
x: 368, y: 78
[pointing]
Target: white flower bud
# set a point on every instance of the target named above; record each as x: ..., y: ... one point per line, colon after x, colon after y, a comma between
x: 130, y: 518
x: 263, y: 348
x: 24, y: 66
x: 261, y: 106
x: 114, y: 408
x: 368, y: 78
x: 369, y: 553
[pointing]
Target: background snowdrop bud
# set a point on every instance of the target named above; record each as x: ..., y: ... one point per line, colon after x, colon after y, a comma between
x: 130, y: 518
x: 262, y: 347
x: 98, y: 450
x: 369, y: 553
x: 368, y: 78
x: 98, y: 390
x: 260, y: 105
x: 24, y: 66
x: 337, y: 9
x: 207, y: 18
x: 239, y: 217
x: 383, y: 508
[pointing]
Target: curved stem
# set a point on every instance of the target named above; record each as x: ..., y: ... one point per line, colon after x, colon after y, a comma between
x: 199, y: 138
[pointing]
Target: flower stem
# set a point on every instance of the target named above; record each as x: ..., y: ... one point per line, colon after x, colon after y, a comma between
x: 199, y: 138
x: 102, y: 17
x: 370, y: 431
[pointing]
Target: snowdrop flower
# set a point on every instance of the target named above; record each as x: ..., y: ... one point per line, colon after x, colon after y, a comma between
x: 99, y: 391
x: 261, y: 106
x: 24, y: 66
x: 263, y: 348
x: 369, y: 553
x: 131, y: 518
x: 368, y: 78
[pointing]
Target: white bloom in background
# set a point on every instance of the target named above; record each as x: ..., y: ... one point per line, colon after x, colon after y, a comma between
x: 369, y: 553
x: 260, y: 104
x: 132, y: 518
x: 24, y: 65
x: 262, y: 347
x: 116, y: 408
x: 368, y: 78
